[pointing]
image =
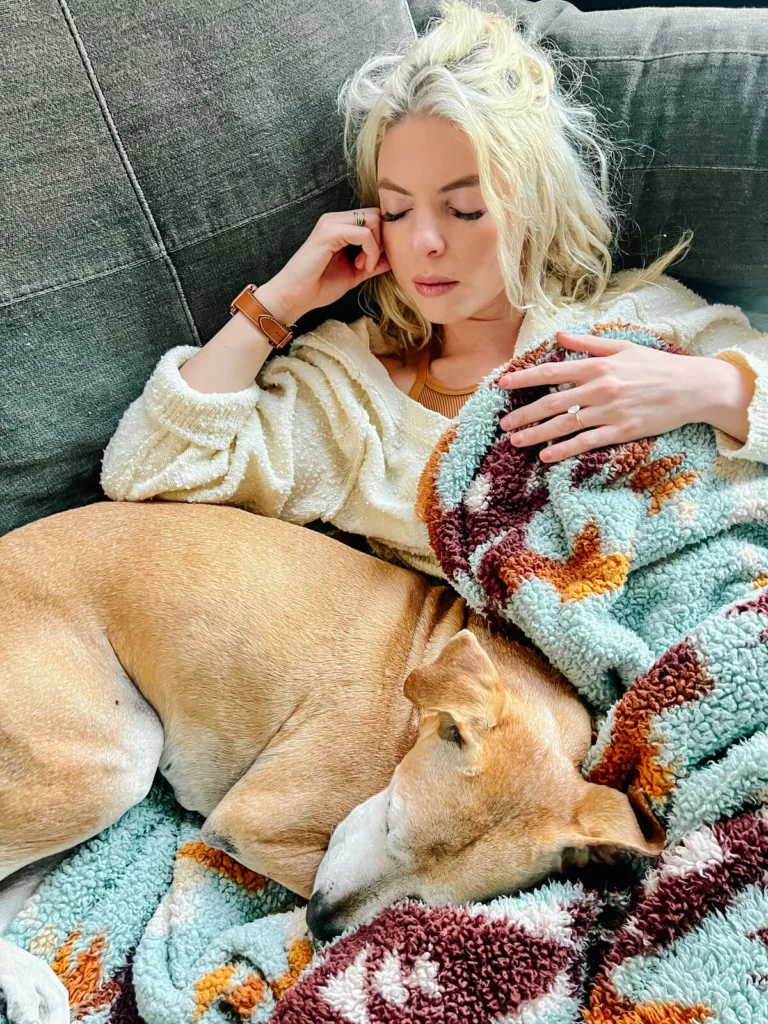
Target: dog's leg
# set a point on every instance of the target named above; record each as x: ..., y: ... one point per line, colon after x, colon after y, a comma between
x: 263, y: 825
x: 279, y: 817
x: 17, y: 888
x: 33, y: 976
x: 70, y: 765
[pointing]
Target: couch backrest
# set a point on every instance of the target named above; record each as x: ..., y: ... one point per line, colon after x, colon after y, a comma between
x: 154, y: 158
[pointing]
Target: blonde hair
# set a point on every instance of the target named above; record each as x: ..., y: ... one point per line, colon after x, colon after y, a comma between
x: 544, y: 162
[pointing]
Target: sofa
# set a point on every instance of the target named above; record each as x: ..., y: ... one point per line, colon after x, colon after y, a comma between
x: 157, y: 156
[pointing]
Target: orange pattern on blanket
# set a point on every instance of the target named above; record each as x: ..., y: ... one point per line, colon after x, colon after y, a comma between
x: 586, y: 572
x: 678, y: 677
x: 210, y: 987
x: 248, y: 995
x: 631, y: 457
x: 668, y: 488
x: 216, y: 860
x: 300, y: 954
x: 82, y: 976
x: 427, y: 507
x: 606, y: 1006
x: 245, y: 998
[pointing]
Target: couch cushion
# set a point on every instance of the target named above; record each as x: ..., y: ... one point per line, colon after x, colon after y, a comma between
x: 155, y: 158
x: 686, y: 90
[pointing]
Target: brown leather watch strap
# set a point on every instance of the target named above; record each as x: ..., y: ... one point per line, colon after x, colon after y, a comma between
x: 277, y: 334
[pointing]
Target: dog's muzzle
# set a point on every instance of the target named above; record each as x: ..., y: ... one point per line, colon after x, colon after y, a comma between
x: 322, y: 919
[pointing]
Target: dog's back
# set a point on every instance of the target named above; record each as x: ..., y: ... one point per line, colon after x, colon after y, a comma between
x: 231, y: 626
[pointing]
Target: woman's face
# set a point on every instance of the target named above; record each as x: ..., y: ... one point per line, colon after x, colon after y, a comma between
x: 438, y: 233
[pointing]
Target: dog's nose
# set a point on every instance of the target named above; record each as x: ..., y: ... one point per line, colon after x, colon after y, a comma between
x: 320, y: 919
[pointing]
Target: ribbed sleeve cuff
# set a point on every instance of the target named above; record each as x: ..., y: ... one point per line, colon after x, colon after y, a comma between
x: 756, y: 445
x: 210, y: 420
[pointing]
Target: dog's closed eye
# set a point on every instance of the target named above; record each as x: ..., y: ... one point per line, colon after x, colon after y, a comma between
x: 449, y: 731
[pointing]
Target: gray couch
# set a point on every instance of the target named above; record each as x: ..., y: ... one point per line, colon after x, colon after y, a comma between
x: 157, y: 155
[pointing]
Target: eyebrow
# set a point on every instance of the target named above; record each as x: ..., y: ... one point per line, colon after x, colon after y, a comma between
x: 470, y: 179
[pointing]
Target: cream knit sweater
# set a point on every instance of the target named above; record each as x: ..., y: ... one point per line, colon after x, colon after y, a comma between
x: 323, y: 433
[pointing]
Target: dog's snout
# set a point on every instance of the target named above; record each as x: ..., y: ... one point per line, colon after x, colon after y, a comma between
x: 320, y: 919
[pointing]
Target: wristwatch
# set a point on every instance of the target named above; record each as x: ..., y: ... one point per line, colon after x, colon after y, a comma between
x: 277, y: 334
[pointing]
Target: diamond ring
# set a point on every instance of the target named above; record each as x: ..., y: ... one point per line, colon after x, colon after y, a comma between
x: 574, y: 410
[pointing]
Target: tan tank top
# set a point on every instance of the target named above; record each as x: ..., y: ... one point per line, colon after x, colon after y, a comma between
x: 431, y: 393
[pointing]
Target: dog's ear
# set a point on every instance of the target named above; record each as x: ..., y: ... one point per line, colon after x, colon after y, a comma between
x: 605, y: 823
x: 463, y: 687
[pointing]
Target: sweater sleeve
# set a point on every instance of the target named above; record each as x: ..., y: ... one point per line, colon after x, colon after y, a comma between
x: 287, y: 446
x: 720, y: 331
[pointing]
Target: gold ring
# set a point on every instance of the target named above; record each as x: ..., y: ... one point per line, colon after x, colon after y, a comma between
x: 574, y: 411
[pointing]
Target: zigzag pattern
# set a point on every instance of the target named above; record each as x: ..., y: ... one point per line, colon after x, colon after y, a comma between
x: 639, y: 570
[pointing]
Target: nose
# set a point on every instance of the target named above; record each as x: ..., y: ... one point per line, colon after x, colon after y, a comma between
x: 427, y: 238
x: 320, y: 919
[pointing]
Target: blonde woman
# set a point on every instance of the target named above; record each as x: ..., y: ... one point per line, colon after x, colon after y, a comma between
x: 477, y: 169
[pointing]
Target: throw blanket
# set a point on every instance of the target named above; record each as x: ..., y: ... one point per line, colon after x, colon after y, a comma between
x: 642, y: 572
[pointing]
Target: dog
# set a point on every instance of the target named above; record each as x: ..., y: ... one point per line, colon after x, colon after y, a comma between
x: 346, y: 727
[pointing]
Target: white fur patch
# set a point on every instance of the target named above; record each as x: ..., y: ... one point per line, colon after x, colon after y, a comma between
x: 534, y: 1010
x: 174, y: 911
x: 424, y: 975
x: 30, y: 911
x: 686, y: 510
x: 46, y: 943
x: 693, y: 853
x: 388, y: 980
x: 542, y: 919
x: 345, y: 993
x: 295, y: 925
x: 476, y: 497
x: 31, y: 989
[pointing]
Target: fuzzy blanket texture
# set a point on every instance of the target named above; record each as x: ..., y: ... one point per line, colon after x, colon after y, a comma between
x: 641, y: 571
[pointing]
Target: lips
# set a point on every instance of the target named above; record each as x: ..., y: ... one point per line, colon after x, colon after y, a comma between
x: 433, y: 290
x: 433, y: 280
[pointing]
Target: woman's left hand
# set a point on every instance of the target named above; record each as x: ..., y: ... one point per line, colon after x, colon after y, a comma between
x: 625, y: 392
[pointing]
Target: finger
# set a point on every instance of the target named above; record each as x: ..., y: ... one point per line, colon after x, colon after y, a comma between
x: 582, y: 442
x: 576, y: 371
x: 351, y: 234
x: 381, y: 267
x: 370, y: 257
x: 339, y: 231
x: 542, y: 409
x: 558, y: 426
x: 590, y: 343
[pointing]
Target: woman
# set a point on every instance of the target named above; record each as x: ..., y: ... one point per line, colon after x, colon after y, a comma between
x: 475, y: 167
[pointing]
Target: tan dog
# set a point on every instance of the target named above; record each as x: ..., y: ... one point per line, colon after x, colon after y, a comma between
x: 295, y: 692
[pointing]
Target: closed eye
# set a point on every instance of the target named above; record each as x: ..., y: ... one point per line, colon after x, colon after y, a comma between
x: 388, y: 217
x: 390, y: 836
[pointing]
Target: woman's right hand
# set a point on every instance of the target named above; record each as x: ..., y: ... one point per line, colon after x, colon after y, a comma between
x: 319, y: 272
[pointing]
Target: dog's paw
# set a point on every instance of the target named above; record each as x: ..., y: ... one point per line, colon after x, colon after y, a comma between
x: 30, y: 993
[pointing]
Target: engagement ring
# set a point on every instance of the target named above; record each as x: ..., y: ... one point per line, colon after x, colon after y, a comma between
x: 574, y: 411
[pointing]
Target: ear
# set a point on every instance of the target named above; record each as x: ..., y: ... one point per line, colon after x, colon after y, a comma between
x: 605, y: 822
x: 463, y: 687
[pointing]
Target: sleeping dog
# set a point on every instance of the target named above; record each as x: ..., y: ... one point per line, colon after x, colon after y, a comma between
x: 347, y: 727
